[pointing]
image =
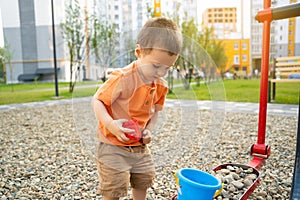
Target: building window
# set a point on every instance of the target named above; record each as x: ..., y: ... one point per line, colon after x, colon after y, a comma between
x: 244, y: 46
x: 236, y: 46
x: 236, y: 59
x: 244, y: 57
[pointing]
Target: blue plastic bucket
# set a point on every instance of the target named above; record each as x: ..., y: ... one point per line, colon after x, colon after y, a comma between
x: 195, y: 184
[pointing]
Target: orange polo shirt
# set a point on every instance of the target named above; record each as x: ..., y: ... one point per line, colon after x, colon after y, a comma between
x: 126, y: 96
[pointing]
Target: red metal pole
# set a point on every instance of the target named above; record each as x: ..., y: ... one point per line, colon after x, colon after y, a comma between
x: 264, y: 83
x: 260, y: 149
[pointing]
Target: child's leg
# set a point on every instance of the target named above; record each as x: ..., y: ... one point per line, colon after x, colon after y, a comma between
x: 113, y: 182
x: 139, y: 183
x: 142, y: 173
x: 139, y: 194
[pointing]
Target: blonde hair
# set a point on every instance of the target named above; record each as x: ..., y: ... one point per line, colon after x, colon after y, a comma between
x: 160, y: 33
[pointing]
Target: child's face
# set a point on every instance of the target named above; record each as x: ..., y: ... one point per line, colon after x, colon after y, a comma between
x: 156, y: 64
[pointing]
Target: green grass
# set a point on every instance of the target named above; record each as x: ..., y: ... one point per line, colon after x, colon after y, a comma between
x: 237, y: 91
x: 38, y: 86
x: 32, y: 96
x: 229, y: 90
x: 28, y: 86
x: 31, y: 92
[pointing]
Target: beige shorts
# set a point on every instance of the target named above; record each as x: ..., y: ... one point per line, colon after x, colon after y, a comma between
x: 118, y: 166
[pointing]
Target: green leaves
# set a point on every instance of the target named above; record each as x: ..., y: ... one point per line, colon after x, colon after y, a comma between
x: 103, y: 41
x: 73, y: 34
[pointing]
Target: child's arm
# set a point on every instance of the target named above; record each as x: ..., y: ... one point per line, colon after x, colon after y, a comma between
x: 152, y: 122
x: 114, y: 126
x: 149, y: 128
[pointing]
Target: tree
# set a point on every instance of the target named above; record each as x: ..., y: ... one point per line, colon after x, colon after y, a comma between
x: 129, y: 48
x: 216, y: 51
x: 74, y: 36
x: 103, y: 41
x: 219, y: 56
x: 2, y: 70
x: 190, y: 51
x: 6, y: 56
x: 150, y: 11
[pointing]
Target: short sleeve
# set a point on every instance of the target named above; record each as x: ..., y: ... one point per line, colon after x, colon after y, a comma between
x: 110, y: 90
x: 159, y: 104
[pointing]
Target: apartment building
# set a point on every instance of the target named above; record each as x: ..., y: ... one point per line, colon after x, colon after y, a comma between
x: 27, y: 26
x: 287, y: 36
x: 256, y: 36
x: 183, y: 9
x: 237, y: 49
x: 128, y: 17
x: 284, y: 34
x: 238, y: 55
x: 222, y: 19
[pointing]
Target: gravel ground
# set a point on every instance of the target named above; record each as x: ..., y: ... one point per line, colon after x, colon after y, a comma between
x: 46, y: 150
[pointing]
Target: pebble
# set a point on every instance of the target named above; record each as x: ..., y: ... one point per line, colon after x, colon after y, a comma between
x: 47, y: 151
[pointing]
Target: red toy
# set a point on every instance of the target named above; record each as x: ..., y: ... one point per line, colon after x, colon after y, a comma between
x: 133, y: 136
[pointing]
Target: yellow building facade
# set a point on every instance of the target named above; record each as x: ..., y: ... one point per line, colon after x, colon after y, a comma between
x: 237, y: 49
x: 291, y: 34
x: 157, y: 8
x: 238, y: 56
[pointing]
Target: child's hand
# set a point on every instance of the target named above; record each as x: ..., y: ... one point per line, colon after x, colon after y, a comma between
x: 116, y: 128
x: 146, y: 136
x: 136, y: 135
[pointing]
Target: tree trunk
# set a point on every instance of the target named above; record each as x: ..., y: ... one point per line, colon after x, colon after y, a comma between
x: 71, y: 75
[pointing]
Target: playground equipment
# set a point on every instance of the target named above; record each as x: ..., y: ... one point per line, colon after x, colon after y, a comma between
x: 260, y: 151
x: 295, y: 192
